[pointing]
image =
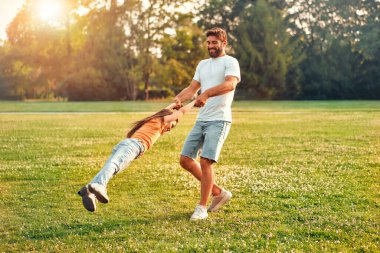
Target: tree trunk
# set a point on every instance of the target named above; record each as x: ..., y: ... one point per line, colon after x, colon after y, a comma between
x: 146, y: 80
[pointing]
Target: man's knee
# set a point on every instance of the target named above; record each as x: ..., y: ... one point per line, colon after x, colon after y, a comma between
x: 206, y: 163
x: 185, y: 161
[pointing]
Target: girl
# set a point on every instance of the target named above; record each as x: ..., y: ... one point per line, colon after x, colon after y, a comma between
x: 139, y: 139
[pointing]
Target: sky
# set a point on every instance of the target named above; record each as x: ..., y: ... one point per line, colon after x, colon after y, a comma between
x: 8, y: 10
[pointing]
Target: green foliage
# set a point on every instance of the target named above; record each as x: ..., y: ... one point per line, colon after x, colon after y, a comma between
x: 369, y: 82
x: 33, y: 56
x: 153, y: 22
x: 264, y: 52
x: 11, y: 76
x: 122, y: 50
x: 332, y: 74
x: 323, y: 57
x: 180, y: 55
x: 337, y: 38
x: 106, y: 64
x: 306, y: 180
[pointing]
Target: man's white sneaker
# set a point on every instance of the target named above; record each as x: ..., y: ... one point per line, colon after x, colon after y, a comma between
x: 100, y: 192
x: 218, y: 201
x: 88, y: 199
x: 200, y: 213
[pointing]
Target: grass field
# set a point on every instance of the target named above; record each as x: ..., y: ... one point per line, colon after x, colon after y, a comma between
x: 305, y: 178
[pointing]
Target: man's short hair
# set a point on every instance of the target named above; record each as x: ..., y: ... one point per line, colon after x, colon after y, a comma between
x: 217, y: 32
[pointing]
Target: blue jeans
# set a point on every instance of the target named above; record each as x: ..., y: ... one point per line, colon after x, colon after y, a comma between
x: 122, y: 155
x: 207, y: 139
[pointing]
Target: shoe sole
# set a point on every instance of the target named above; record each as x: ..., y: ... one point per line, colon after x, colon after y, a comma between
x: 98, y: 195
x: 224, y: 200
x: 88, y: 203
x: 196, y: 219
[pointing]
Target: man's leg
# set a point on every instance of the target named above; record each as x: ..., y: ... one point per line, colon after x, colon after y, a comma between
x: 194, y: 168
x: 203, y: 172
x: 207, y: 180
x: 215, y: 133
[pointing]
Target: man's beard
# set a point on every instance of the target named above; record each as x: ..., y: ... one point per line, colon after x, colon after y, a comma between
x: 217, y: 52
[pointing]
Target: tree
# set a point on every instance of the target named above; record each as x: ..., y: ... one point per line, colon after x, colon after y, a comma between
x: 34, y: 54
x: 368, y: 84
x: 226, y: 14
x: 334, y: 35
x: 181, y: 54
x: 265, y: 53
x: 104, y: 60
x: 155, y: 18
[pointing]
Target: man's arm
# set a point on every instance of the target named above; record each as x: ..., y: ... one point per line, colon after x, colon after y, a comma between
x: 178, y: 114
x: 188, y: 92
x: 228, y: 85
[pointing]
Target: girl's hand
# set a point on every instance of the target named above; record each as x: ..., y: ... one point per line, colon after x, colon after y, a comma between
x: 172, y: 106
x: 178, y: 114
x: 178, y: 103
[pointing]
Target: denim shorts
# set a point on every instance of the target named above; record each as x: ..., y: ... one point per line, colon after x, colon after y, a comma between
x: 206, y: 139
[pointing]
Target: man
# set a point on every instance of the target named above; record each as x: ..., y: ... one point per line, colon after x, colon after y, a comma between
x: 217, y: 78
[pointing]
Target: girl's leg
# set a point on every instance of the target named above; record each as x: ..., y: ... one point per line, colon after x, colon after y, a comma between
x: 122, y: 155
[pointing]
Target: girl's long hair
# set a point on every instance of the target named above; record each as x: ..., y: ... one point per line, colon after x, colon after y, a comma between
x: 136, y: 125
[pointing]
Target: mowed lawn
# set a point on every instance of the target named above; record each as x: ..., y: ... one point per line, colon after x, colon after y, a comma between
x: 305, y: 177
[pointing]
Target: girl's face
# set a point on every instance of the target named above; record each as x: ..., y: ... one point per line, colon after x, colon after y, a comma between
x: 169, y: 126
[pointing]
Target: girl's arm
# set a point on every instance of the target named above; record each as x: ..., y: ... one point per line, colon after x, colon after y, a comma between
x: 171, y: 106
x: 178, y: 114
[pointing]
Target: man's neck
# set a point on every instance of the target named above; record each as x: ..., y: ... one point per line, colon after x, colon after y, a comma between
x: 221, y: 55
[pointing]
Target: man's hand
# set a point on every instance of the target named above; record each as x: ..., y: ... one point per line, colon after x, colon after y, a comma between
x: 201, y: 100
x: 228, y: 85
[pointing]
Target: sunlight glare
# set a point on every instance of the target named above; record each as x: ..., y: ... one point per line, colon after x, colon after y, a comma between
x: 81, y: 11
x: 49, y: 10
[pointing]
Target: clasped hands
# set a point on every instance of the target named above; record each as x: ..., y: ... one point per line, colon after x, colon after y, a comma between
x: 200, y: 101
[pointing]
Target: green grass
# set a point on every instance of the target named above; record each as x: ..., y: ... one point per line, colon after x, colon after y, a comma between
x: 141, y: 106
x: 43, y: 106
x: 305, y: 178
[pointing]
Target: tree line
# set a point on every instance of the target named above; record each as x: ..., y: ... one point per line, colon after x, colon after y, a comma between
x: 127, y: 50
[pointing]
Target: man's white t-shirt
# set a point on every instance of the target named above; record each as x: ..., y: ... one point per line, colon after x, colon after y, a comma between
x: 209, y: 73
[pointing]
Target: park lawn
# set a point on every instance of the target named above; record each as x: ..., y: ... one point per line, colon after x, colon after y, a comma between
x: 141, y: 106
x: 304, y: 175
